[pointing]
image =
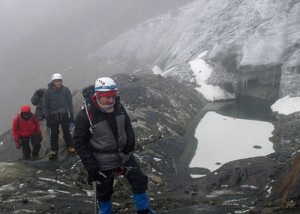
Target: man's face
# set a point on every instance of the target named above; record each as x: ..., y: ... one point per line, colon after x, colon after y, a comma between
x: 107, y: 100
x: 26, y: 115
x: 57, y: 83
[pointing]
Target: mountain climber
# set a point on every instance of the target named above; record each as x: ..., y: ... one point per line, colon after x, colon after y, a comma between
x: 26, y: 128
x: 104, y: 140
x: 37, y: 100
x: 58, y: 110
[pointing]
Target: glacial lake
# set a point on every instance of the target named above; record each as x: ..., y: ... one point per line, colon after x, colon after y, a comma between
x: 239, y: 130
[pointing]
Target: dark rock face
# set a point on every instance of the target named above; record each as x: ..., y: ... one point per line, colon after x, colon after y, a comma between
x: 286, y: 140
x: 256, y: 172
x: 286, y: 188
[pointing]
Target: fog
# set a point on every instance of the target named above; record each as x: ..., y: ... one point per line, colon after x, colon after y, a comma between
x: 39, y: 38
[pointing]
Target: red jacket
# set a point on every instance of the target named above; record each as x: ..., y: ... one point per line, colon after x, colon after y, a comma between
x: 25, y: 128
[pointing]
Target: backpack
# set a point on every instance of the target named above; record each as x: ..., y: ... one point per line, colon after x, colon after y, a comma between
x: 37, y: 100
x: 37, y: 97
x: 87, y: 93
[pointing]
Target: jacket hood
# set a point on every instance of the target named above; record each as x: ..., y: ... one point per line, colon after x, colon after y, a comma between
x: 25, y: 108
x: 50, y: 85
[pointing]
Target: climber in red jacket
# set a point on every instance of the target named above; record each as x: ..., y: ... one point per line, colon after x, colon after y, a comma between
x: 25, y: 129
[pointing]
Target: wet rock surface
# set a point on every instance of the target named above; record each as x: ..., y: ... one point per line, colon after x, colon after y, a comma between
x: 163, y: 121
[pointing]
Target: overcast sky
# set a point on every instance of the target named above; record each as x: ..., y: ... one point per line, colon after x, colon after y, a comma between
x: 39, y: 38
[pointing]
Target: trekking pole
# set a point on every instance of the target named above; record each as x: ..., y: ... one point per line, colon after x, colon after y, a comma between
x: 95, y: 197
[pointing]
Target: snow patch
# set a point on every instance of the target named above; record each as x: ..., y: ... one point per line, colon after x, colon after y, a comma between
x: 202, y: 71
x: 55, y: 181
x: 197, y: 176
x: 157, y: 70
x: 286, y: 105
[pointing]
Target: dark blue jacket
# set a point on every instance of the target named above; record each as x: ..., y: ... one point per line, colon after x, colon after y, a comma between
x: 58, y: 103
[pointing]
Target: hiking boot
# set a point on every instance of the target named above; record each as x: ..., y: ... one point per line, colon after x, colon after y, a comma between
x: 36, y: 157
x: 71, y: 150
x: 52, y: 155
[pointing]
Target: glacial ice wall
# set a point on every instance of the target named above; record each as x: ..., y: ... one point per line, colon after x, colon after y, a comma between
x: 252, y: 45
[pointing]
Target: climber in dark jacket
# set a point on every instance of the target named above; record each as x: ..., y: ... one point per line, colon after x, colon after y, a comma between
x: 58, y: 110
x: 104, y: 140
x: 37, y: 100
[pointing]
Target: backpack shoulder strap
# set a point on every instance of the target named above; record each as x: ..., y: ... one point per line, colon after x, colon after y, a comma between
x: 66, y: 103
x: 89, y: 114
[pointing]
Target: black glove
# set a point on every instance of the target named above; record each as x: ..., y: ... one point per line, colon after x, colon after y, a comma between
x: 94, y: 175
x: 121, y: 170
x: 128, y: 148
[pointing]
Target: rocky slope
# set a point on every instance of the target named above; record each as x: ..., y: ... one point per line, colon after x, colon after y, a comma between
x: 164, y: 113
x: 159, y: 108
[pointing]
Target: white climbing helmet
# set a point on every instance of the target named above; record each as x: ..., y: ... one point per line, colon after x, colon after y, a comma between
x: 56, y: 76
x: 105, y: 84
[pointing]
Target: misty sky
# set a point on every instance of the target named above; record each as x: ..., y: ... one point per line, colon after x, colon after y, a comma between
x: 42, y: 37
